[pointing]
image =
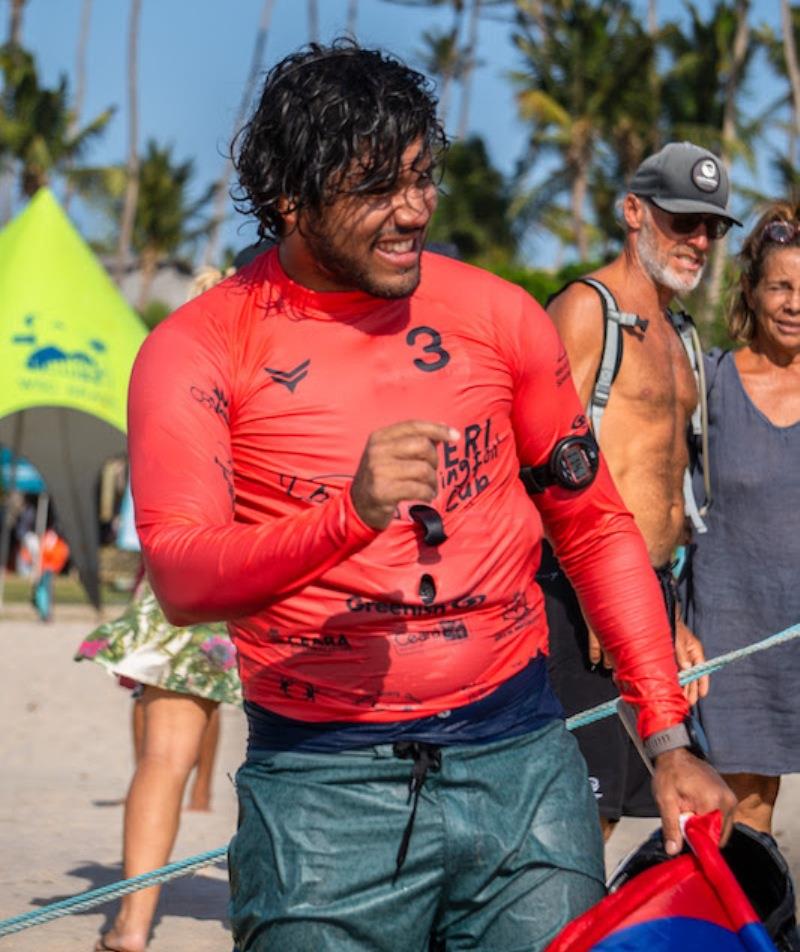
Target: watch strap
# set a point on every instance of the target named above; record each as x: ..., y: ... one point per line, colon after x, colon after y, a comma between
x: 669, y: 739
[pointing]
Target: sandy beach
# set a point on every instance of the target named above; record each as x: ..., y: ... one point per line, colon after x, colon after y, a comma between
x: 66, y: 762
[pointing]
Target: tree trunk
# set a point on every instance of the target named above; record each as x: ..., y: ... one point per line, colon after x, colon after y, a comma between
x: 15, y: 22
x: 450, y: 74
x: 469, y: 69
x: 80, y: 85
x: 313, y: 21
x: 148, y: 267
x: 580, y: 187
x: 211, y: 251
x: 793, y: 72
x: 132, y: 187
x: 652, y: 17
x: 444, y: 98
x: 352, y: 17
x: 719, y: 250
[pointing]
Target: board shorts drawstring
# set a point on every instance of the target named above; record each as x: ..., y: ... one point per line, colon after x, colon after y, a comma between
x: 426, y: 757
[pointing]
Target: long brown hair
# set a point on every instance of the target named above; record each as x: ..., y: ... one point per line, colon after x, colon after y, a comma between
x: 741, y: 319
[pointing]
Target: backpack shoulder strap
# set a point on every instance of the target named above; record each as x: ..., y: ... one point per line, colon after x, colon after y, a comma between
x: 698, y: 435
x: 611, y: 357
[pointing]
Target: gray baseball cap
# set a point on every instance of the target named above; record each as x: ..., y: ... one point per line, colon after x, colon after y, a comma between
x: 683, y: 178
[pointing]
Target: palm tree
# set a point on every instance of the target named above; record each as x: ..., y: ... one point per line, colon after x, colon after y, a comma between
x: 352, y: 17
x: 473, y: 209
x: 167, y: 221
x: 469, y: 59
x: 442, y: 59
x: 80, y: 80
x: 313, y: 21
x: 579, y: 85
x: 782, y: 55
x: 132, y: 187
x: 442, y: 56
x: 708, y: 67
x: 221, y: 187
x: 789, y: 30
x: 701, y: 98
x: 36, y: 129
x: 468, y: 68
x: 15, y: 22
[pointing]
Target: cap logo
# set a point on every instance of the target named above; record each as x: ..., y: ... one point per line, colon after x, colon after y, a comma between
x: 705, y: 175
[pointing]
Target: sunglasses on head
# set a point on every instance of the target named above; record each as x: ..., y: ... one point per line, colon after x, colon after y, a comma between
x: 781, y: 232
x: 685, y: 224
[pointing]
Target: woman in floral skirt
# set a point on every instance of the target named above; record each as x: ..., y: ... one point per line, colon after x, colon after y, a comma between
x: 182, y: 675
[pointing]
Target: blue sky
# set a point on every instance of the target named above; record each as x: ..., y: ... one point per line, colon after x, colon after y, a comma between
x: 194, y: 56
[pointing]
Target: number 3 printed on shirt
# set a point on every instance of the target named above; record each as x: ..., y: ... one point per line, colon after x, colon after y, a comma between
x: 434, y: 347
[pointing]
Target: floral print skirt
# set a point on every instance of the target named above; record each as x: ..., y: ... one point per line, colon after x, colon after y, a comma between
x: 143, y: 646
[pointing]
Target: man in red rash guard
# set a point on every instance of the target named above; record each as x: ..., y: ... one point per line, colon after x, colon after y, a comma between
x: 325, y: 452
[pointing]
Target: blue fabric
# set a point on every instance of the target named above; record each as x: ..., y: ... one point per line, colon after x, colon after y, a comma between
x: 688, y: 935
x: 522, y: 704
x: 743, y: 583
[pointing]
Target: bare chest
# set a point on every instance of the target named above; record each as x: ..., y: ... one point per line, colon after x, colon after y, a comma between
x: 655, y: 379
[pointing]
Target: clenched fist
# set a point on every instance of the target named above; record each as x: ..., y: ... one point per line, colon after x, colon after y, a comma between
x: 398, y: 464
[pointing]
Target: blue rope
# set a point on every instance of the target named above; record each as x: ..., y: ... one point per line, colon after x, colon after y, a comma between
x: 96, y: 897
x: 691, y: 674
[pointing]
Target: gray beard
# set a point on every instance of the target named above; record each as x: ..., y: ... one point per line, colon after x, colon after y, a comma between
x: 659, y: 271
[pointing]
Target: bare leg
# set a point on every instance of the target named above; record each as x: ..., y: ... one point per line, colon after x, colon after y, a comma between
x: 200, y: 794
x: 173, y: 728
x: 137, y: 727
x: 756, y: 794
x: 608, y: 827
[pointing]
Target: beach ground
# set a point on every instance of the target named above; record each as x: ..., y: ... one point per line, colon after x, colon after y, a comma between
x: 66, y: 759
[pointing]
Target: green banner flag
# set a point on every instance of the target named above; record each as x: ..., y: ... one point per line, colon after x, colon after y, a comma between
x: 68, y: 336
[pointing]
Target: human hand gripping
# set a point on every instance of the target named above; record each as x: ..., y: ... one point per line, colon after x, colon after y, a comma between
x: 597, y: 652
x: 682, y: 783
x: 688, y: 653
x: 398, y: 464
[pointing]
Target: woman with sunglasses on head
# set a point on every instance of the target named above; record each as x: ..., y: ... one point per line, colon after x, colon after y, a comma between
x: 743, y: 583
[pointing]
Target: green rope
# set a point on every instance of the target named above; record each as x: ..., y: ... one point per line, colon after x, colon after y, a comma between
x: 96, y: 897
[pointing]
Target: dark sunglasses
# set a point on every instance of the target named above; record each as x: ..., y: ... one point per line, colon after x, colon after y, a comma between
x: 781, y: 232
x: 685, y: 224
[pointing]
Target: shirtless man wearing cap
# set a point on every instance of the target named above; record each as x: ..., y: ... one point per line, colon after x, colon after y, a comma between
x: 675, y: 208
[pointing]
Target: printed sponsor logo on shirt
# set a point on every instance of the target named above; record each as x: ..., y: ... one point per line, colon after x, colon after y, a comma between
x: 216, y: 401
x: 518, y: 613
x: 289, y: 378
x: 309, y: 642
x: 225, y: 463
x: 297, y: 690
x: 316, y: 489
x: 463, y: 603
x: 451, y: 631
x: 562, y: 367
x: 464, y: 476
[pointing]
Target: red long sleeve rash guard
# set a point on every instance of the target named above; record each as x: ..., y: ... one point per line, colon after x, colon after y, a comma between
x: 249, y: 410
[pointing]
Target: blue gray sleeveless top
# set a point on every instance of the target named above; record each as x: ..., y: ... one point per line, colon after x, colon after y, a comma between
x: 745, y: 582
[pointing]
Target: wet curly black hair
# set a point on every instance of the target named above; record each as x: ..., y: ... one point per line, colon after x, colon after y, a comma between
x: 321, y: 110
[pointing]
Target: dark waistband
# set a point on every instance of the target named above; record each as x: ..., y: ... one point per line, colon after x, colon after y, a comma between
x: 523, y: 703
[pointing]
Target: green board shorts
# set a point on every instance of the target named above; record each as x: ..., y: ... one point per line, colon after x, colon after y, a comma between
x: 505, y: 849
